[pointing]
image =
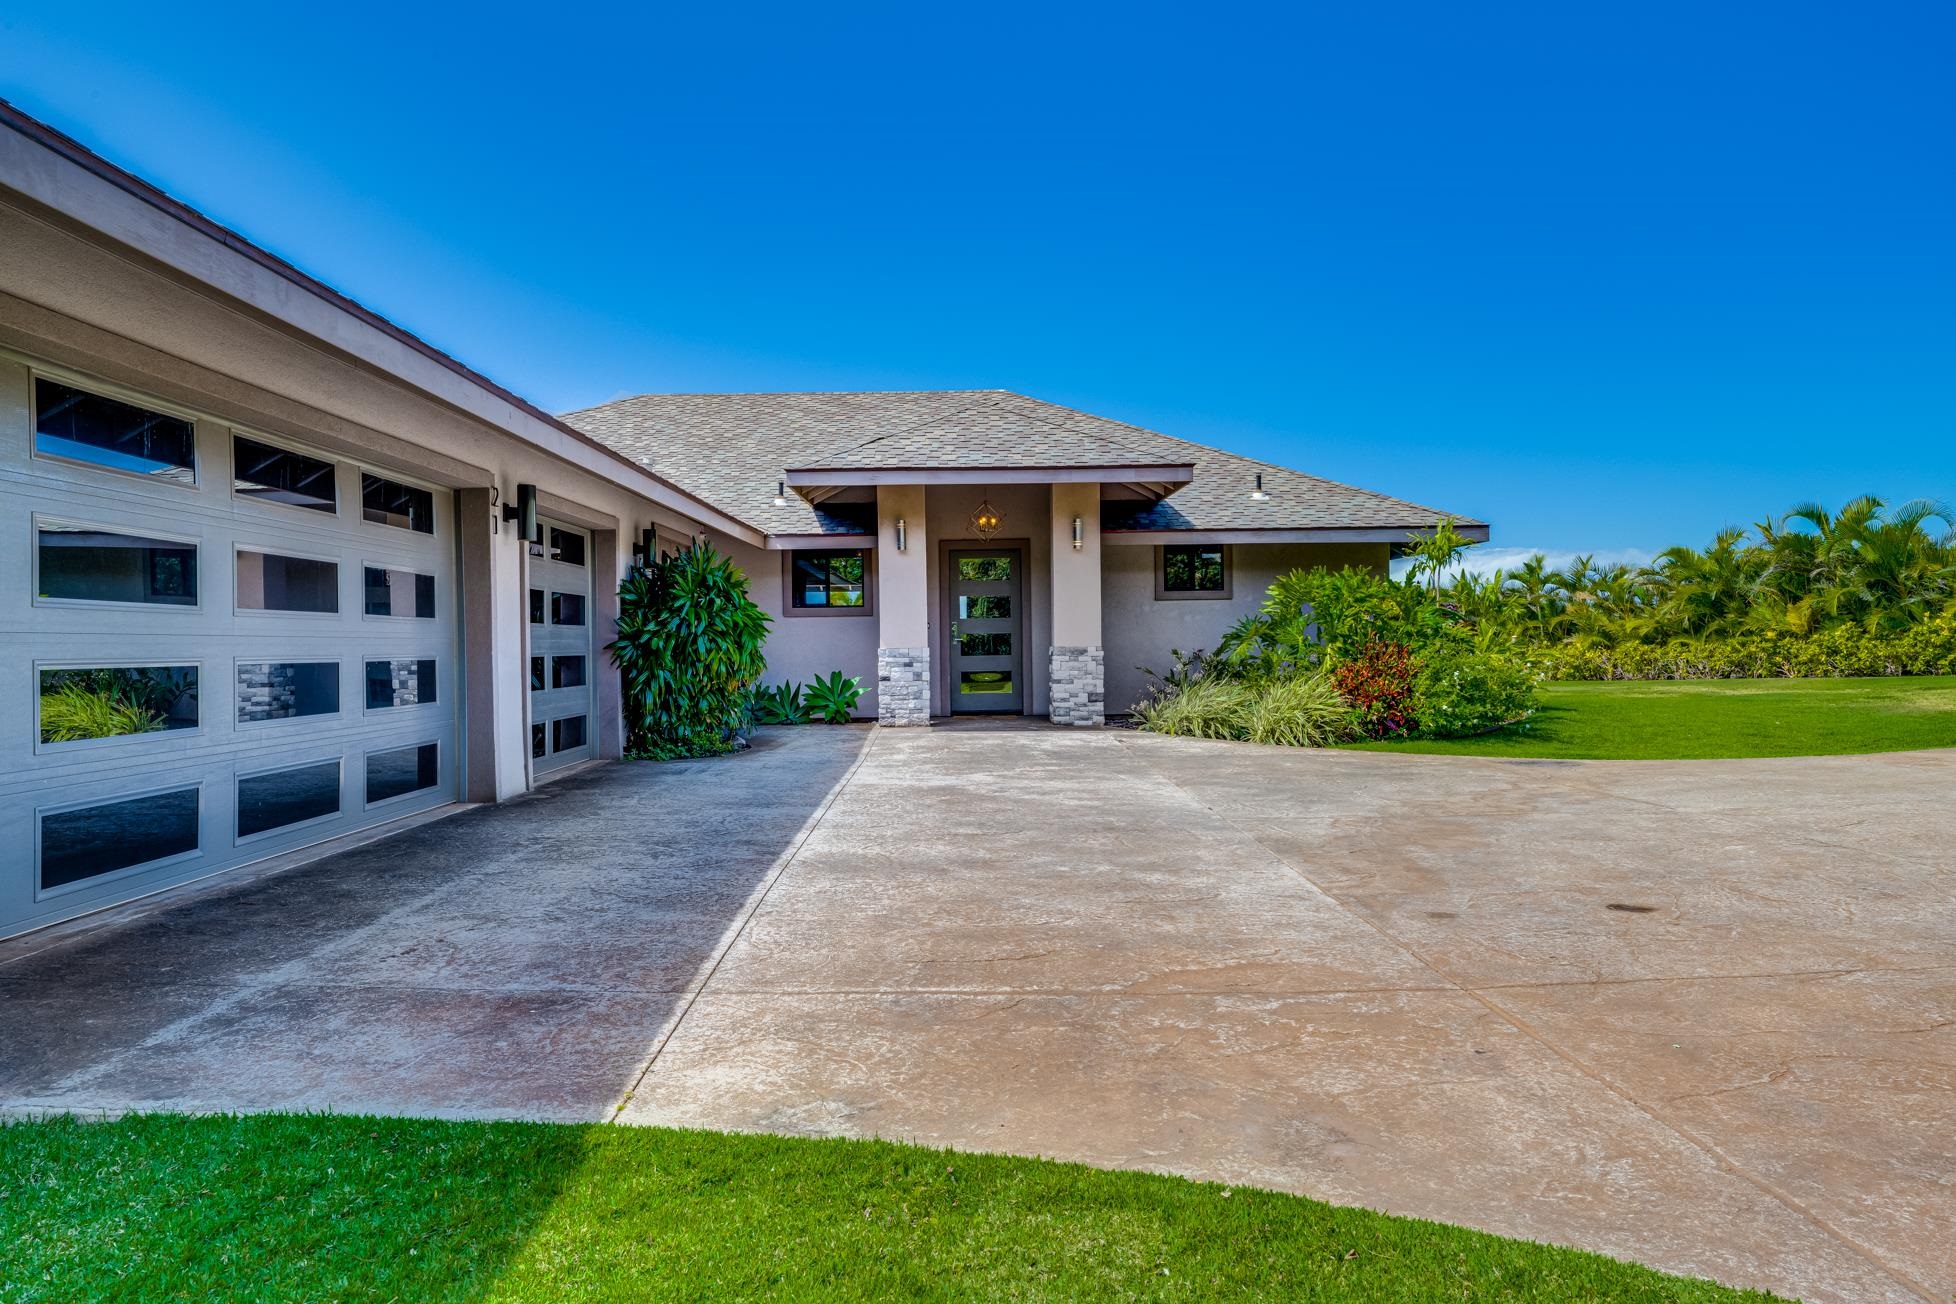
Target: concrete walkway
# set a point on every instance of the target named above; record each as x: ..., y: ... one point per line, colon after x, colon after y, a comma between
x: 1694, y: 1014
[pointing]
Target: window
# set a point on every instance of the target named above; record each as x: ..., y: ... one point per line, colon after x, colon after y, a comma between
x: 108, y: 432
x: 536, y: 674
x: 567, y: 546
x: 567, y: 733
x: 287, y: 690
x: 984, y: 606
x: 278, y: 475
x: 536, y: 741
x: 1192, y: 571
x: 402, y: 770
x: 270, y: 581
x: 828, y: 581
x: 536, y: 606
x: 400, y: 593
x: 984, y: 645
x: 286, y: 797
x: 116, y: 701
x: 567, y: 608
x: 567, y: 672
x: 400, y: 683
x: 79, y: 563
x: 101, y: 839
x: 384, y: 502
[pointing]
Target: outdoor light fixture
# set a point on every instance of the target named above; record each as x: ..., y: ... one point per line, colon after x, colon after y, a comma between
x: 525, y: 514
x: 986, y: 519
x: 1257, y: 495
x: 1079, y: 534
x: 646, y: 542
x: 903, y: 536
x: 780, y: 493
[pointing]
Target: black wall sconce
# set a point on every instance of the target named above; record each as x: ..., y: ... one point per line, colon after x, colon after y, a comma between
x: 525, y: 513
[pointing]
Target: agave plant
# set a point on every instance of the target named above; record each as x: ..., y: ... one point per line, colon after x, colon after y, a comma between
x: 833, y: 700
x: 779, y: 704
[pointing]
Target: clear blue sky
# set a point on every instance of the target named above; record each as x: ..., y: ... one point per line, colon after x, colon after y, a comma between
x: 1607, y: 276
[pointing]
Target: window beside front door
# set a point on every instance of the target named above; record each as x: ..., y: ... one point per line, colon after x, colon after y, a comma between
x: 1192, y: 571
x: 832, y: 580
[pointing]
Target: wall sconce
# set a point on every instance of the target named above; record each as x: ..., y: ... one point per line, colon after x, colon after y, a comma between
x: 1079, y: 534
x: 1257, y: 495
x: 903, y: 534
x: 525, y: 513
x: 780, y: 493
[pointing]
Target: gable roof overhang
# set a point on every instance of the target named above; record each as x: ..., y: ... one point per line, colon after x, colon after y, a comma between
x: 1329, y: 534
x: 1152, y: 480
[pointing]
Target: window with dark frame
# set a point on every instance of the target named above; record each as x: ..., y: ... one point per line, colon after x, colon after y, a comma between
x: 566, y: 546
x: 827, y: 580
x: 1193, y: 568
x: 386, y: 502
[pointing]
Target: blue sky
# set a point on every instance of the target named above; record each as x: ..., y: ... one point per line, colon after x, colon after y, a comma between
x: 1608, y: 276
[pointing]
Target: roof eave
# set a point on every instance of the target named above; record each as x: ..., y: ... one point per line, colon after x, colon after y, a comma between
x: 1167, y: 473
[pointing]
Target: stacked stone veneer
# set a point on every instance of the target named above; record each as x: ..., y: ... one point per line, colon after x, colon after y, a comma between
x: 266, y: 691
x: 902, y: 685
x: 1078, y: 685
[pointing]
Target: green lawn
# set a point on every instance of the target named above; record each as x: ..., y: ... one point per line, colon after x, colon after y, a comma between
x: 310, y: 1207
x: 1699, y: 719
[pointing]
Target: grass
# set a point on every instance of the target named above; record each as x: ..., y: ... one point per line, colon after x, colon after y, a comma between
x: 1705, y: 719
x: 157, y: 1207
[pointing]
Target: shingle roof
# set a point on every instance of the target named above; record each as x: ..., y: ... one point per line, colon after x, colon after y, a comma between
x: 731, y: 449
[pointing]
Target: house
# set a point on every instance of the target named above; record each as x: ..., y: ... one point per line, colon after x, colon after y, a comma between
x: 985, y: 552
x: 275, y: 573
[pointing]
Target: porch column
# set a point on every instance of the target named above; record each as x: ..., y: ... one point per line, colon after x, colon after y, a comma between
x: 1077, y: 674
x: 902, y: 607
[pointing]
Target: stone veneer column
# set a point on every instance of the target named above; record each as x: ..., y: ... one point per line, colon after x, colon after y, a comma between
x: 1077, y: 671
x: 902, y: 608
x: 1078, y: 682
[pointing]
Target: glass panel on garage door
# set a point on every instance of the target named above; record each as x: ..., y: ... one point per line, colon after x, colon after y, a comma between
x: 563, y: 649
x: 225, y: 644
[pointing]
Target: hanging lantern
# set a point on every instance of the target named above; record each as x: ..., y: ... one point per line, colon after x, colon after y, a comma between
x: 986, y: 519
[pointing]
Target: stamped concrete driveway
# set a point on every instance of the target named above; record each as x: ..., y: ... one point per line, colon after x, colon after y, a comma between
x: 1701, y: 1015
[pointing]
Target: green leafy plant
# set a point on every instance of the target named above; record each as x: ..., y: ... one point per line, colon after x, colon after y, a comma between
x: 74, y: 711
x: 1458, y: 693
x: 833, y: 700
x: 779, y: 704
x: 1300, y: 711
x: 689, y: 654
x: 1207, y: 707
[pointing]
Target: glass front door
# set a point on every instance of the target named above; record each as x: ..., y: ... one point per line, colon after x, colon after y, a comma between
x: 986, y: 615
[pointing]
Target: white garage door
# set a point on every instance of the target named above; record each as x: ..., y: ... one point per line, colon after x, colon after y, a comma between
x: 563, y: 669
x: 226, y: 645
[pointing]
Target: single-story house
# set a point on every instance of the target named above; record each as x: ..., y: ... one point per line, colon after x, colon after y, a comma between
x: 274, y: 572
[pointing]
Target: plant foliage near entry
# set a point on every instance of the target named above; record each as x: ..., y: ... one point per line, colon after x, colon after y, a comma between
x: 832, y: 700
x: 688, y: 653
x: 779, y: 704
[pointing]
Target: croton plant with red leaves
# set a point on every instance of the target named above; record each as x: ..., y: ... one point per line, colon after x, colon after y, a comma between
x: 1378, y: 682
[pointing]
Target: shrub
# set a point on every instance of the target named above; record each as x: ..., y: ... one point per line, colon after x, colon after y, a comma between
x: 689, y: 653
x: 1208, y: 707
x: 834, y: 699
x: 1299, y: 711
x: 1378, y: 683
x: 1925, y: 648
x: 1458, y: 693
x: 75, y: 711
x: 779, y: 704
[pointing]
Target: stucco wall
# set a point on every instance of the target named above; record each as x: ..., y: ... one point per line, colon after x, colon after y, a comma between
x: 801, y: 647
x: 1140, y: 631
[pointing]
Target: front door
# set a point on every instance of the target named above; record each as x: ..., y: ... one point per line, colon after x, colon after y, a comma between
x: 986, y: 615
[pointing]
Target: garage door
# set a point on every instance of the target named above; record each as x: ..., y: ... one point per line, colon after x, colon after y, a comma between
x: 563, y: 666
x: 229, y: 645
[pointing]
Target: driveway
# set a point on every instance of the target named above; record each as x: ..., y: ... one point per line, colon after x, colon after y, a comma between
x: 1701, y: 1015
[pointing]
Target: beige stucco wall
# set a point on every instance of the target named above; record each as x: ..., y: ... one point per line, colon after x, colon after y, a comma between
x: 1139, y: 631
x: 1076, y: 574
x: 799, y: 648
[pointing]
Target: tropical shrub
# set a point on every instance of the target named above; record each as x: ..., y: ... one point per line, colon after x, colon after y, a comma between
x: 1458, y: 693
x: 74, y: 711
x: 689, y: 653
x: 1310, y: 613
x: 1378, y: 683
x: 779, y: 704
x: 1299, y: 711
x: 833, y: 700
x: 1206, y: 707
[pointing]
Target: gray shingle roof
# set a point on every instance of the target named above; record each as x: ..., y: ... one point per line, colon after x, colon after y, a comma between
x: 731, y: 449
